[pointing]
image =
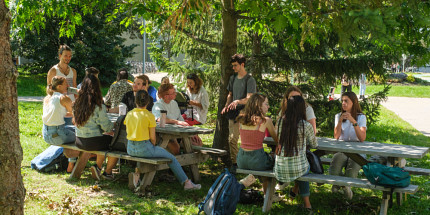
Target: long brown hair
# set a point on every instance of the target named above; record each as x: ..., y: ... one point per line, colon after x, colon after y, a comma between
x: 89, y: 97
x: 198, y: 82
x: 252, y: 112
x: 356, y: 109
x: 285, y: 98
x: 51, y: 88
x: 294, y: 115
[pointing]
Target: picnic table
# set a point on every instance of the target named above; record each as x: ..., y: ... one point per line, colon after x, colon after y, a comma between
x: 393, y: 152
x: 192, y: 155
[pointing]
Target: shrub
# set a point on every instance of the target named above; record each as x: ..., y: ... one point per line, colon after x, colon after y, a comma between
x: 410, y: 79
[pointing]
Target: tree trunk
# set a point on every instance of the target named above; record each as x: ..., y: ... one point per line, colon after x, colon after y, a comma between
x: 256, y: 52
x: 228, y: 49
x: 12, y: 191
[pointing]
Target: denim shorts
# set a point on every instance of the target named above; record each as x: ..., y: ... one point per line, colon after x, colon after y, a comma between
x: 254, y: 160
x: 57, y: 135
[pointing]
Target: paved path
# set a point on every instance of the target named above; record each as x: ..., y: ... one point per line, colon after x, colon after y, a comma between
x: 415, y: 111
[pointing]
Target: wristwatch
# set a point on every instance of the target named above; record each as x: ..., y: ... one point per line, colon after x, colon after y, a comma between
x: 355, y: 124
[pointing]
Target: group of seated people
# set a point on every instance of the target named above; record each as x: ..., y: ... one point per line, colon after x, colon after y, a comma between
x: 93, y: 130
x: 295, y: 132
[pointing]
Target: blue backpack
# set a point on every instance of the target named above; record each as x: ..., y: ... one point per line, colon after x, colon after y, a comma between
x: 223, y: 196
x: 386, y: 176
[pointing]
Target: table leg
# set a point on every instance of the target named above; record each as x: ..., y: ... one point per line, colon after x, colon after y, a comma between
x: 146, y: 181
x: 80, y: 165
x: 194, y: 167
x: 386, y: 196
x: 165, y: 140
x: 269, y: 194
x: 357, y: 158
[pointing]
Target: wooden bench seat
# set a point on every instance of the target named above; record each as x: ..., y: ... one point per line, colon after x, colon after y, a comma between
x: 121, y: 155
x: 330, y: 179
x: 210, y: 151
x: 411, y: 170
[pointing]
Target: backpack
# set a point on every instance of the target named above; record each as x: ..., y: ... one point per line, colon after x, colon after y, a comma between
x: 223, y: 195
x: 50, y: 160
x: 119, y: 140
x: 183, y: 100
x: 251, y: 196
x: 386, y: 176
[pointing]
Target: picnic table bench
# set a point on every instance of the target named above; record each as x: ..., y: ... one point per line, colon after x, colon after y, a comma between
x: 329, y: 179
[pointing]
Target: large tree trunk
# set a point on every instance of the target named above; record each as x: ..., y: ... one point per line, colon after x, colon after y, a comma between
x: 228, y: 49
x: 12, y: 190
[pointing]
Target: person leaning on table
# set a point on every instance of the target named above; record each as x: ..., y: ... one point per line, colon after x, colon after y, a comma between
x: 350, y: 125
x: 91, y: 122
x: 167, y: 94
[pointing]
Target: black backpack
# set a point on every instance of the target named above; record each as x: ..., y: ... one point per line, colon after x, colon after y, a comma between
x: 183, y: 100
x: 51, y: 159
x: 59, y: 164
x: 119, y: 140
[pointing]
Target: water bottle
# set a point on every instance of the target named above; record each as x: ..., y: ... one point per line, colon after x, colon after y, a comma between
x: 122, y: 109
x: 163, y: 118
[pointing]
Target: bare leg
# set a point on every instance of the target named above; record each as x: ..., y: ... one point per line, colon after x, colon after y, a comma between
x: 100, y: 160
x: 110, y: 165
x: 173, y: 147
x: 307, y: 203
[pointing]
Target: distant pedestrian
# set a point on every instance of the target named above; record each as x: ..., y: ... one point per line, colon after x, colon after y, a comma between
x: 362, y: 82
x: 346, y: 84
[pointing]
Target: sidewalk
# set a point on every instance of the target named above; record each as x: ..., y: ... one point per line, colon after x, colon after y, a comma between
x: 415, y: 111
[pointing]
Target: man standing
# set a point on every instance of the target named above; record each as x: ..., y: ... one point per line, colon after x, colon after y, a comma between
x: 240, y: 87
x: 63, y: 69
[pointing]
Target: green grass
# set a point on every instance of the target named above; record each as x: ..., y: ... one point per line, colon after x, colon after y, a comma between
x: 416, y: 91
x: 55, y: 193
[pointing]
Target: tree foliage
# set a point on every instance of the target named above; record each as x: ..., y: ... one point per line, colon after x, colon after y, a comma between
x: 95, y: 43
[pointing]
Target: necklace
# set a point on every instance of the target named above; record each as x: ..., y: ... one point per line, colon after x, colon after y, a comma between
x: 64, y: 71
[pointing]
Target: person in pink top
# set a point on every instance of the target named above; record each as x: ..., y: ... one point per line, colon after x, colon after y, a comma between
x: 252, y: 126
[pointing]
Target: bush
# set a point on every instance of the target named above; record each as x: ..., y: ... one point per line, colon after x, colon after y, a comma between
x: 410, y: 79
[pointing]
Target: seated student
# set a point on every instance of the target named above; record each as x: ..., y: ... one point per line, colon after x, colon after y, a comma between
x: 199, y: 100
x: 252, y: 126
x: 164, y: 80
x: 296, y: 134
x: 151, y: 90
x: 350, y: 125
x: 141, y: 82
x: 167, y: 102
x: 140, y: 125
x: 56, y: 106
x: 118, y: 89
x: 90, y: 70
x: 91, y: 122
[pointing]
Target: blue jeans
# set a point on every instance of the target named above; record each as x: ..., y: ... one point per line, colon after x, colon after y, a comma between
x: 147, y: 150
x: 57, y: 135
x: 304, y: 187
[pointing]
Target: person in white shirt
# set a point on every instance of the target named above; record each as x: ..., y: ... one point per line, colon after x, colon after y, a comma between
x: 199, y: 101
x: 167, y: 102
x: 350, y: 125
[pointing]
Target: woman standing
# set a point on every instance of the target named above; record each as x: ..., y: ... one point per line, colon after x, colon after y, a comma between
x: 295, y: 135
x: 91, y: 121
x: 199, y: 100
x: 253, y: 123
x: 350, y: 125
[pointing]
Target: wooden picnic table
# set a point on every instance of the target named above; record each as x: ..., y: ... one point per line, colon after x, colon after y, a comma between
x: 192, y: 156
x: 394, y: 153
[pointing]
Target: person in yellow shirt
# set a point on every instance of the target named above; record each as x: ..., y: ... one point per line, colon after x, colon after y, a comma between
x: 140, y: 124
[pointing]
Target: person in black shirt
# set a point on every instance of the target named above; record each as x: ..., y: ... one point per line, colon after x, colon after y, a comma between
x: 141, y: 82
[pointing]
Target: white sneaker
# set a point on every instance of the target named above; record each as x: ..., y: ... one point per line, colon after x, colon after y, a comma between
x: 280, y: 187
x: 248, y: 180
x: 189, y: 185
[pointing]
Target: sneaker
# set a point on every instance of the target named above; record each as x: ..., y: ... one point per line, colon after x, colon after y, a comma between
x: 108, y: 177
x: 248, y: 180
x: 189, y: 185
x: 347, y: 192
x: 335, y: 189
x: 96, y: 172
x: 309, y: 211
x: 281, y: 186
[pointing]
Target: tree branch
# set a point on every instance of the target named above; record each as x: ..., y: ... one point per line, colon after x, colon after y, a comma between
x: 206, y: 42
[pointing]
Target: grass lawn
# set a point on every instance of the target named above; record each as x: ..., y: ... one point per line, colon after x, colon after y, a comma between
x: 416, y: 91
x: 55, y: 193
